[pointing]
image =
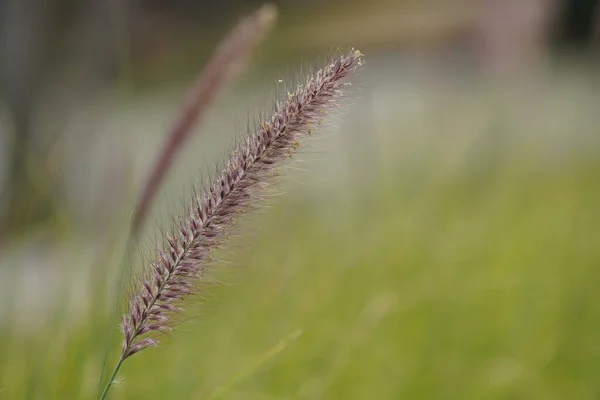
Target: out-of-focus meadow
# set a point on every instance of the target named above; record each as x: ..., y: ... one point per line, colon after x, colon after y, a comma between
x: 439, y: 238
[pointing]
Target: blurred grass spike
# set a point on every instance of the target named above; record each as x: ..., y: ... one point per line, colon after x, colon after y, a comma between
x: 259, y: 362
x: 188, y: 250
x: 225, y: 64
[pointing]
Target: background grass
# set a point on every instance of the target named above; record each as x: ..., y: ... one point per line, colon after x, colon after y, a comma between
x: 445, y: 246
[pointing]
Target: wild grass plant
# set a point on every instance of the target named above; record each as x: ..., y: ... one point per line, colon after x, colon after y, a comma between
x: 187, y: 251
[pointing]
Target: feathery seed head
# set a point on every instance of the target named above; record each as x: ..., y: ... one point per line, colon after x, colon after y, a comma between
x: 183, y: 260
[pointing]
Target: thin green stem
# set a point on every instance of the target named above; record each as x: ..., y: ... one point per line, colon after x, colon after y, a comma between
x: 112, y: 378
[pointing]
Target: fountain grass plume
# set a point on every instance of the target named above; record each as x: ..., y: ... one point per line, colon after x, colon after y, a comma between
x: 225, y: 63
x: 181, y: 264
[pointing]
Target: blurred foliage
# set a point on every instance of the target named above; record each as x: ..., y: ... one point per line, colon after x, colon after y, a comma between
x: 457, y: 260
x: 446, y: 248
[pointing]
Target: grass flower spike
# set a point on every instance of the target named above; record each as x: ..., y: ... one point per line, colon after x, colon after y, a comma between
x: 179, y: 266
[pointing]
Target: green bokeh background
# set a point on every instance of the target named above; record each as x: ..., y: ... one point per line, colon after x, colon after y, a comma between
x: 444, y: 244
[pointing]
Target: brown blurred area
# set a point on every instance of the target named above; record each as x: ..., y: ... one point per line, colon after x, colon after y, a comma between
x: 57, y: 55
